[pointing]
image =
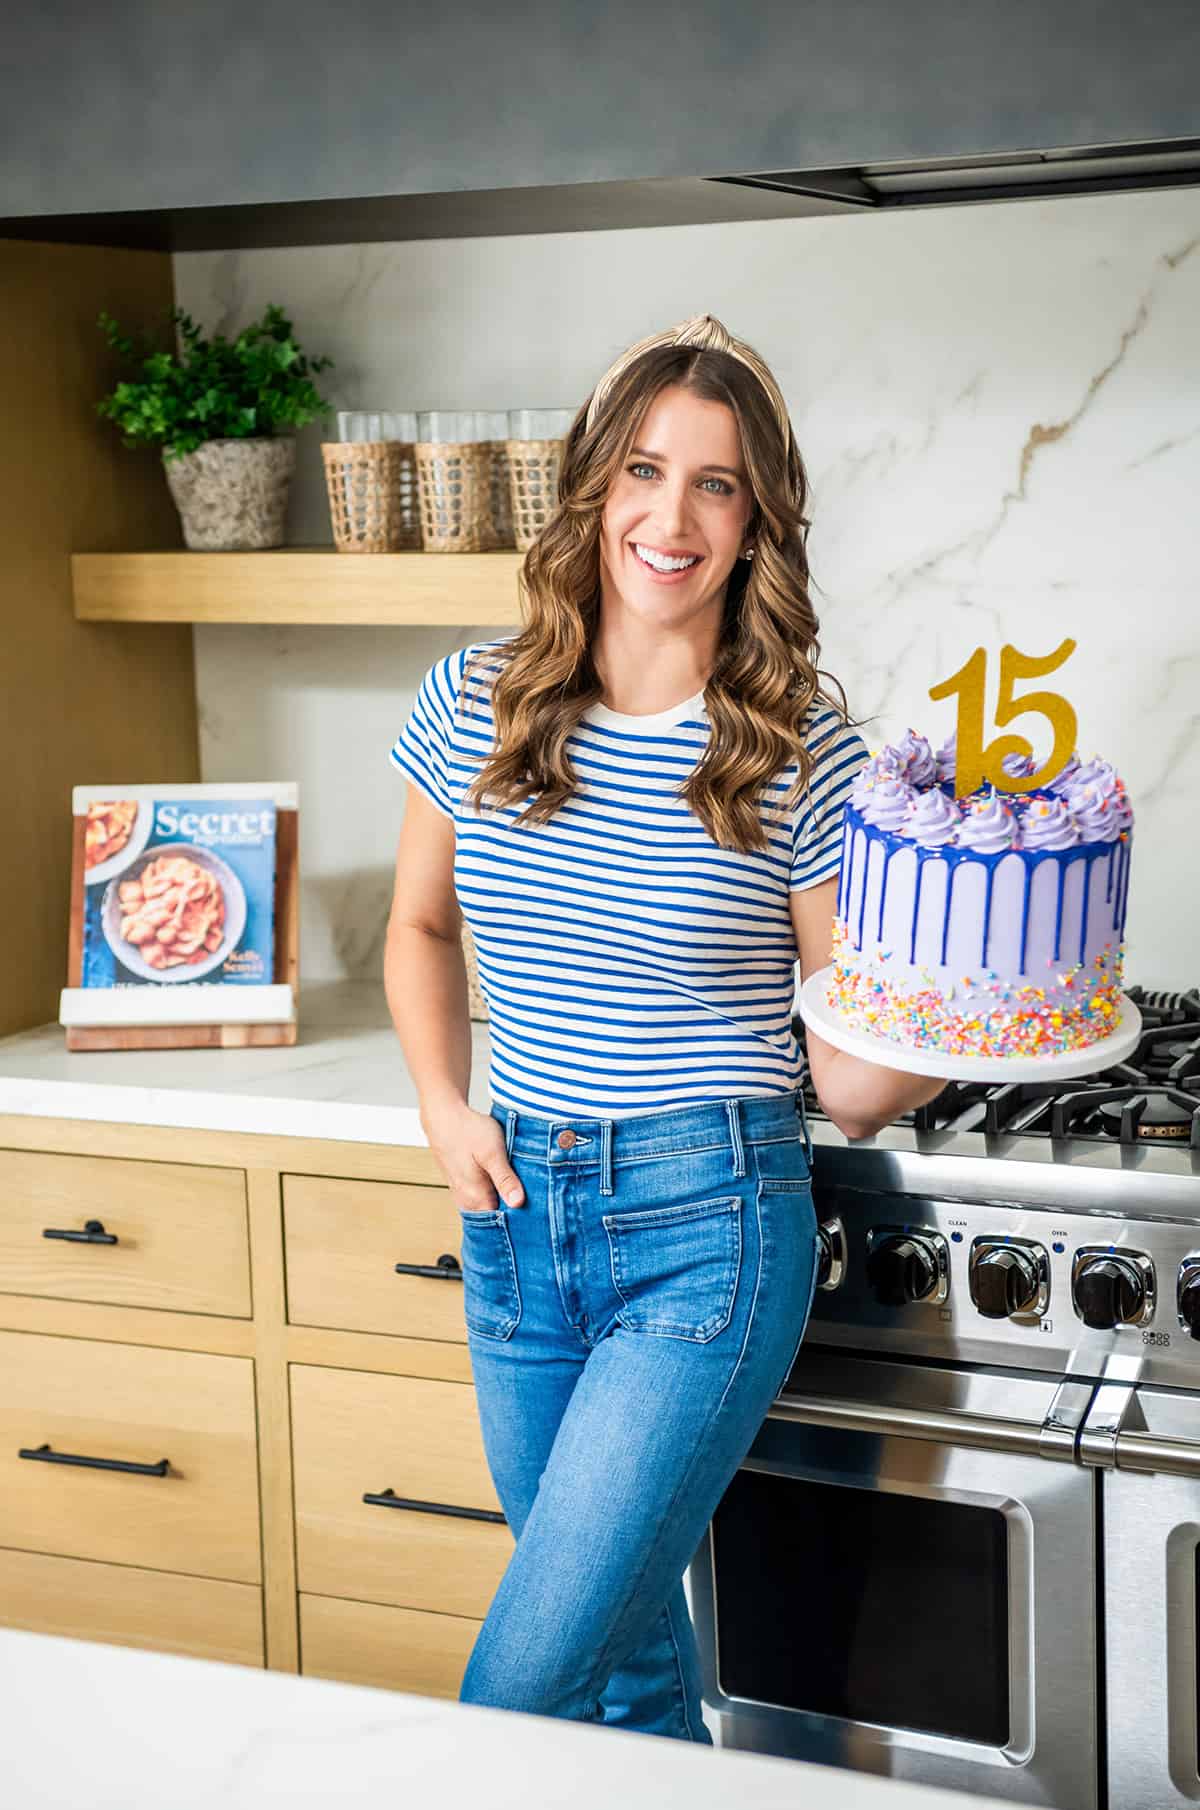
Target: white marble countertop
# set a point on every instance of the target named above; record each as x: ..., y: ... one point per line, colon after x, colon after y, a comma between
x: 345, y: 1077
x: 116, y: 1728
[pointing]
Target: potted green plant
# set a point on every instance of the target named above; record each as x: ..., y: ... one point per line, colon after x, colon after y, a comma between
x: 220, y: 410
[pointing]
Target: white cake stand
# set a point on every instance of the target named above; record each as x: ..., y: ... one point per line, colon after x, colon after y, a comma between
x: 816, y: 1011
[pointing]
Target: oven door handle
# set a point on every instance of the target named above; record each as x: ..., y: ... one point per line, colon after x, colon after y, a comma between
x: 944, y: 1426
x: 1152, y: 1452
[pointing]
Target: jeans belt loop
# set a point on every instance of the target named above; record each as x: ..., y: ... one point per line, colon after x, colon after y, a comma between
x: 735, y: 1136
x: 510, y: 1129
x: 606, y: 1185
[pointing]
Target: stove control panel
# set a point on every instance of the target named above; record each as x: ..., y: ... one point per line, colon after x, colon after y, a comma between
x: 905, y: 1264
x: 1111, y: 1288
x: 992, y: 1280
x: 1009, y: 1277
x: 1187, y: 1294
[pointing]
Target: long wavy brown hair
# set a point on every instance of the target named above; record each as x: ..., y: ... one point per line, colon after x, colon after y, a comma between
x: 765, y: 680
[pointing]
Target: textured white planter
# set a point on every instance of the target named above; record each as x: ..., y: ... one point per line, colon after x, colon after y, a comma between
x: 232, y: 494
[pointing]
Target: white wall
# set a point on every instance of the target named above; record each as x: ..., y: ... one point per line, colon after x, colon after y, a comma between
x: 999, y: 410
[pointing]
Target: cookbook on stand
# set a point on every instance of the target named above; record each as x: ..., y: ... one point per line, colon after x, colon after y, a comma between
x: 184, y: 916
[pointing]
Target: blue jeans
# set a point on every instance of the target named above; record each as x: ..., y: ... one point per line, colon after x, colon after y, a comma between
x: 628, y: 1327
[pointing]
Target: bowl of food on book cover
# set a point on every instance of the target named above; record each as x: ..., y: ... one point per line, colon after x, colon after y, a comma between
x: 115, y: 833
x: 175, y: 914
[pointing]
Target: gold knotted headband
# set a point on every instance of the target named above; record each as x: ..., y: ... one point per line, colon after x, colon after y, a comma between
x: 706, y: 333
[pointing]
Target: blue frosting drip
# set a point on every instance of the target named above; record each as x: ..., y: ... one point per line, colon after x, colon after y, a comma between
x: 892, y: 842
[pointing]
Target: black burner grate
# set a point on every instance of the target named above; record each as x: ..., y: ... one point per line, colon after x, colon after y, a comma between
x: 1153, y: 1096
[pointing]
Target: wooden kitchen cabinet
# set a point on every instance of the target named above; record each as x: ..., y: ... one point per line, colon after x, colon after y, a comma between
x: 165, y: 1320
x: 399, y: 1649
x: 71, y: 1409
x: 342, y: 1242
x: 250, y: 1326
x: 169, y: 1235
x: 356, y: 1435
x: 127, y: 1606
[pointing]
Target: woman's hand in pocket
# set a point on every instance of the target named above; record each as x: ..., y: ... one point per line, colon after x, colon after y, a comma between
x: 469, y: 1147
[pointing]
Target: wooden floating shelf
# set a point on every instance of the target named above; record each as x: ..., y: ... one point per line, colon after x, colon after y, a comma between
x: 313, y: 585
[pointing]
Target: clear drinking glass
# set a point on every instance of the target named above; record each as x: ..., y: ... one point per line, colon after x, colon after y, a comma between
x: 363, y: 424
x: 447, y: 426
x: 539, y: 424
x: 536, y: 438
x: 491, y: 424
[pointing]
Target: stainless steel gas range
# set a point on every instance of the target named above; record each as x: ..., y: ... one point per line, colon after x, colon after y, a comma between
x: 963, y: 1547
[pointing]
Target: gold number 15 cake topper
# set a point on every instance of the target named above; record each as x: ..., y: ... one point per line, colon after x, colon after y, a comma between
x: 977, y: 764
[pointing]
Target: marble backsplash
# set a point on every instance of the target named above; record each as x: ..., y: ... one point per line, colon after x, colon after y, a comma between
x: 999, y: 410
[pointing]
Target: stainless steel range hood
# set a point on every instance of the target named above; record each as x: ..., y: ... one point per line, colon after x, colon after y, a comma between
x: 941, y: 182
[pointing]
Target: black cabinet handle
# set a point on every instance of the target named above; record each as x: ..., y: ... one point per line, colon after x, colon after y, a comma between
x: 389, y: 1499
x: 447, y: 1267
x: 48, y: 1456
x: 93, y: 1233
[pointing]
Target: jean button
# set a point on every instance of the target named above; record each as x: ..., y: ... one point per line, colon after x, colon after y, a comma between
x: 565, y: 1140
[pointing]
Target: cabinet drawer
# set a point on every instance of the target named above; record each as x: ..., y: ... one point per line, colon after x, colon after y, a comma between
x: 129, y: 1607
x: 356, y: 1433
x: 343, y: 1241
x: 179, y: 1229
x: 398, y: 1649
x: 136, y: 1404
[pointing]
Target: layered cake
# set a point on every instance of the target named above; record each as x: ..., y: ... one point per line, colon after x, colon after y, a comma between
x: 988, y: 925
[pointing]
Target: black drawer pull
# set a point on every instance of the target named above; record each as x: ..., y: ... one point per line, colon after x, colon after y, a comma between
x: 93, y: 1233
x: 389, y: 1499
x: 100, y: 1464
x: 447, y: 1267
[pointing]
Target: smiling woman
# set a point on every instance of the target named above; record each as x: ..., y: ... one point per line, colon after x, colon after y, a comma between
x: 627, y: 800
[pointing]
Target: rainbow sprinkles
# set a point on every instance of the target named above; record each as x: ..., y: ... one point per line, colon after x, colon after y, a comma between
x: 991, y: 925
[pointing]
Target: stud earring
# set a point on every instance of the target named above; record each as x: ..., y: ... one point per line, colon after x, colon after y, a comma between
x: 748, y: 553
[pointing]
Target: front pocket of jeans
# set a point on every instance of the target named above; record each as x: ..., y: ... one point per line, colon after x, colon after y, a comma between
x: 676, y: 1268
x: 491, y: 1298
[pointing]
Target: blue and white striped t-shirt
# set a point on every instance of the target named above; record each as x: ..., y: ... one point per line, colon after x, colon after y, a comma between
x: 628, y: 962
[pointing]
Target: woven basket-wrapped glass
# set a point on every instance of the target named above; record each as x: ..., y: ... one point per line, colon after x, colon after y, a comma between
x: 372, y: 487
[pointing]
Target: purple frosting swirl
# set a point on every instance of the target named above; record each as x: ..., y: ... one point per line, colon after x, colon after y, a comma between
x: 1099, y: 779
x: 934, y: 819
x: 883, y: 765
x: 916, y: 759
x: 865, y: 781
x: 887, y: 803
x: 906, y: 789
x: 1062, y: 782
x: 1098, y: 773
x: 1047, y: 823
x: 988, y: 824
x: 1096, y: 813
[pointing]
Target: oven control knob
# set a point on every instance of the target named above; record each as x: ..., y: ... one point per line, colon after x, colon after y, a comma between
x: 1004, y: 1281
x: 831, y: 1254
x: 901, y: 1268
x: 1109, y: 1291
x: 1189, y: 1296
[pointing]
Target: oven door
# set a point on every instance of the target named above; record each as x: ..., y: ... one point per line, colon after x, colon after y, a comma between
x: 1151, y: 1586
x: 901, y: 1578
